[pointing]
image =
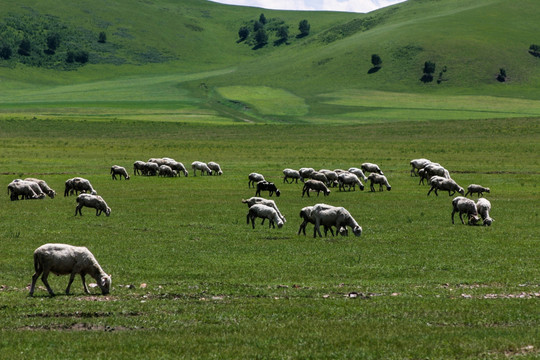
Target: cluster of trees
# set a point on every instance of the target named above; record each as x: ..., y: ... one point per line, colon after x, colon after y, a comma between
x: 534, y: 50
x: 257, y: 32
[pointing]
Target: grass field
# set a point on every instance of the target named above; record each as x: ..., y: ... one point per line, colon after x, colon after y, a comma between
x: 412, y: 286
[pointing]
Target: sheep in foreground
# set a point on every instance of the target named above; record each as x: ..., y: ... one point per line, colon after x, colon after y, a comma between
x: 43, y: 186
x: 445, y: 185
x: 92, y: 201
x: 199, y: 165
x: 306, y: 215
x: 25, y: 189
x: 349, y: 179
x: 375, y: 178
x: 358, y: 172
x: 259, y: 200
x: 254, y: 178
x: 417, y: 164
x: 484, y: 207
x: 476, y: 189
x: 216, y: 169
x: 369, y: 167
x: 267, y: 186
x: 264, y: 212
x: 462, y: 205
x: 315, y: 185
x: 78, y: 184
x: 138, y: 167
x: 166, y: 171
x: 291, y: 174
x: 120, y: 171
x: 63, y: 259
x: 334, y: 216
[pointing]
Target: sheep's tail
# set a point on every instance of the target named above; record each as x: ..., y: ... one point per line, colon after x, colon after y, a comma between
x: 37, y: 264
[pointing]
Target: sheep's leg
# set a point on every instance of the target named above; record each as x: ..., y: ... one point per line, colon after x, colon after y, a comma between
x: 78, y: 209
x: 44, y: 280
x: 461, y: 218
x: 84, y: 283
x: 38, y: 272
x: 430, y: 190
x: 453, y: 192
x: 262, y: 222
x: 453, y: 212
x: 302, y: 227
x: 71, y: 278
x: 467, y: 193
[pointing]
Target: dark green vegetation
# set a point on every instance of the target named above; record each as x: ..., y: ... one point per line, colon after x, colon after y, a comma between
x: 190, y: 277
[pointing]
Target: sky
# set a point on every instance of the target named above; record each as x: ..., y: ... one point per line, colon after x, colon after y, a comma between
x: 358, y: 6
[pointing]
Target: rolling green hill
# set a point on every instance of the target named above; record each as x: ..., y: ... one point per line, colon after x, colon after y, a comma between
x: 186, y: 55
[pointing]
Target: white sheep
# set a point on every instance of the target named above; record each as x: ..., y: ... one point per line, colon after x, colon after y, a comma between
x: 63, y: 259
x: 358, y: 172
x: 120, y: 171
x: 462, y: 205
x: 370, y: 167
x: 375, y: 178
x: 199, y: 165
x: 25, y: 189
x: 166, y: 171
x: 158, y: 161
x: 264, y: 212
x: 259, y: 200
x: 139, y: 167
x: 216, y: 169
x: 418, y: 164
x: 334, y: 216
x: 43, y: 186
x: 151, y: 168
x: 305, y: 173
x: 445, y: 185
x: 78, y: 184
x: 331, y: 175
x: 315, y: 185
x: 306, y: 215
x: 436, y: 169
x: 254, y: 178
x: 316, y: 175
x: 484, y: 207
x: 178, y: 167
x: 92, y: 201
x: 349, y: 179
x: 291, y: 174
x: 478, y: 189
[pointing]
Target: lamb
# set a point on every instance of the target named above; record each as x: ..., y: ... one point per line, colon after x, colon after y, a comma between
x: 334, y: 216
x: 350, y: 179
x: 259, y: 200
x: 267, y: 186
x: 199, y: 165
x: 465, y: 206
x: 43, y: 186
x: 120, y: 171
x: 166, y: 171
x: 216, y: 169
x: 315, y: 185
x: 446, y: 185
x: 291, y: 174
x: 417, y: 164
x: 92, y: 201
x: 254, y: 178
x: 306, y: 214
x: 484, y: 207
x: 25, y: 189
x: 63, y: 259
x: 378, y: 179
x: 78, y: 184
x: 264, y: 212
x: 369, y: 167
x: 478, y: 189
x: 139, y: 167
x: 358, y: 172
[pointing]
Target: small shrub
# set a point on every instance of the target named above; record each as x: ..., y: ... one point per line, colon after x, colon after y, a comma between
x: 5, y: 52
x: 102, y: 37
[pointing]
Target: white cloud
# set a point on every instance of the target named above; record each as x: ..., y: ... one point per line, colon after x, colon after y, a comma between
x: 359, y: 6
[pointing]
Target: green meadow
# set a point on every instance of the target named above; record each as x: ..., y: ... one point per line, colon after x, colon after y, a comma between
x: 190, y: 277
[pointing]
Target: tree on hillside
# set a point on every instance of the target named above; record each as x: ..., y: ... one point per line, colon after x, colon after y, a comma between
x: 5, y: 52
x: 429, y: 69
x: 53, y: 40
x: 304, y: 27
x: 502, y: 75
x: 261, y: 38
x: 282, y: 34
x: 376, y: 61
x: 257, y: 25
x: 243, y: 33
x: 262, y: 19
x: 102, y: 37
x: 24, y: 47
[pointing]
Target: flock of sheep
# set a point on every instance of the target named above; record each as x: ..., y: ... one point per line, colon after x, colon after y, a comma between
x: 62, y: 259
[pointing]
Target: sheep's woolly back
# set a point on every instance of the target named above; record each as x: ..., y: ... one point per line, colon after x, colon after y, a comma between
x: 484, y: 207
x: 265, y: 212
x: 259, y: 200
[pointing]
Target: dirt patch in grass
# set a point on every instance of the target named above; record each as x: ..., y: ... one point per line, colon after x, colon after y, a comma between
x: 76, y: 327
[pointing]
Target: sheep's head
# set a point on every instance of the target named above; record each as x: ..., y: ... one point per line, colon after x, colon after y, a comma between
x: 327, y: 192
x: 361, y: 186
x: 343, y: 231
x: 280, y: 224
x: 487, y: 190
x: 105, y: 284
x: 488, y: 221
x: 357, y: 230
x: 473, y: 219
x: 388, y: 188
x: 108, y: 211
x: 461, y: 191
x: 278, y: 192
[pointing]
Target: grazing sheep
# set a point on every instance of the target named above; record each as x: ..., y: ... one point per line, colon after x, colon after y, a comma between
x: 446, y: 185
x: 63, y: 259
x: 349, y: 179
x: 484, y: 207
x: 267, y: 186
x: 423, y: 176
x: 332, y: 177
x: 264, y: 212
x: 369, y: 167
x: 378, y: 179
x: 305, y: 173
x: 315, y: 185
x: 319, y: 176
x: 178, y: 167
x: 92, y: 201
x: 25, y: 189
x: 291, y: 174
x: 334, y: 216
x: 151, y: 168
x: 259, y: 200
x: 139, y: 167
x: 120, y: 171
x: 358, y: 172
x: 478, y: 189
x: 254, y: 178
x: 462, y: 205
x: 166, y: 171
x: 158, y: 161
x: 199, y: 165
x: 43, y: 186
x: 418, y: 164
x: 305, y: 214
x: 78, y: 184
x: 216, y: 169
x: 436, y: 169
